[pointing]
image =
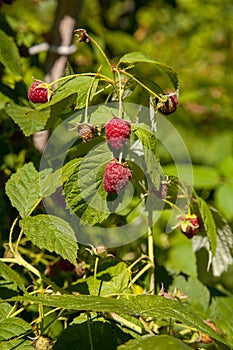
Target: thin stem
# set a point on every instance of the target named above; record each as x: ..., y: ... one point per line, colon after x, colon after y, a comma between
x: 89, y: 332
x: 136, y: 261
x: 123, y: 321
x: 101, y: 51
x: 147, y: 328
x: 120, y: 93
x: 11, y: 235
x: 95, y: 273
x: 68, y: 77
x: 151, y: 253
x: 21, y: 232
x: 141, y: 84
x: 87, y: 100
x: 140, y: 273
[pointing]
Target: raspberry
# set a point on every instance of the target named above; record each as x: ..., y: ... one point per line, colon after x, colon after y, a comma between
x: 169, y: 105
x: 117, y: 132
x: 38, y: 95
x: 189, y: 225
x: 65, y: 265
x: 116, y: 177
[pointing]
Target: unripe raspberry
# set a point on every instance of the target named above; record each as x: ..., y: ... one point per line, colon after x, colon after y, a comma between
x: 189, y: 225
x: 38, y: 95
x: 168, y: 105
x: 116, y: 177
x: 117, y: 132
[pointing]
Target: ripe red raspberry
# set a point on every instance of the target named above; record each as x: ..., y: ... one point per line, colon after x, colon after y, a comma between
x: 189, y: 225
x: 116, y: 177
x: 169, y: 105
x: 117, y: 132
x: 38, y: 95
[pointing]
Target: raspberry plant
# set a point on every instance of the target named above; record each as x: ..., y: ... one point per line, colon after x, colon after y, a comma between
x: 72, y: 288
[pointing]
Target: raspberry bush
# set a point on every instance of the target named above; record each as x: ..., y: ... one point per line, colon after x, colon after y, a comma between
x: 96, y: 253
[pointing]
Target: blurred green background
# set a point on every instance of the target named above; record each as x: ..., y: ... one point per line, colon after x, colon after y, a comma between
x: 194, y: 37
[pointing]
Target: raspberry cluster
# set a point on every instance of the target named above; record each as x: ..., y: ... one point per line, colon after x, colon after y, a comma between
x: 116, y: 177
x: 38, y: 94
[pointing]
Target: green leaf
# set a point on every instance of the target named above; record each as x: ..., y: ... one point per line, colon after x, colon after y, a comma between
x: 29, y: 120
x: 198, y: 296
x: 208, y: 222
x: 221, y: 312
x: 158, y: 342
x: 105, y: 335
x: 9, y: 54
x: 50, y: 181
x: 181, y: 258
x: 100, y: 116
x: 152, y: 162
x: 223, y: 199
x: 141, y: 305
x: 52, y: 233
x: 5, y: 308
x: 112, y: 278
x: 223, y: 257
x: 79, y: 85
x: 10, y: 275
x: 12, y: 327
x: 85, y: 195
x: 23, y: 189
x: 139, y: 57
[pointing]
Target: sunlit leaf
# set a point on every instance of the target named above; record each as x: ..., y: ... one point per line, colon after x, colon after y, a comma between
x: 208, y: 222
x: 223, y: 257
x: 10, y: 275
x: 84, y: 190
x: 23, y: 189
x: 52, y: 233
x: 29, y: 120
x: 143, y: 305
x: 152, y: 162
x: 139, y: 57
x: 9, y: 54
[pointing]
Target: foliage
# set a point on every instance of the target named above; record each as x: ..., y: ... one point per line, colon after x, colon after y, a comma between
x: 82, y: 268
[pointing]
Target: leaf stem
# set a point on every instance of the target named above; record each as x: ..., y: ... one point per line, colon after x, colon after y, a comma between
x: 123, y: 71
